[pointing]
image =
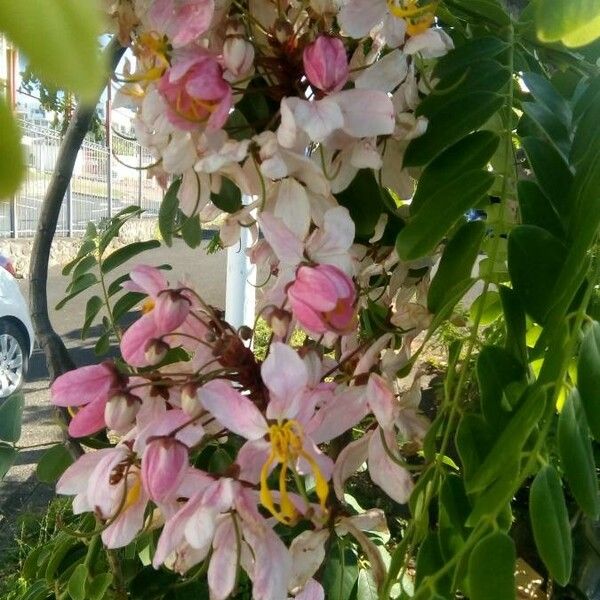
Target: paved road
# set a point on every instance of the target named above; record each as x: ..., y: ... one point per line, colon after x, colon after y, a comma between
x: 20, y: 491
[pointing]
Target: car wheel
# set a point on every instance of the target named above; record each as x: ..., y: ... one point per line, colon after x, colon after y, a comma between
x: 14, y: 358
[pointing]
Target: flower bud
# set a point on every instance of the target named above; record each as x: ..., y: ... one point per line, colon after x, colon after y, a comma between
x: 190, y: 403
x: 238, y: 54
x: 120, y: 412
x: 171, y: 310
x: 283, y: 31
x: 326, y: 64
x: 164, y: 464
x: 322, y: 299
x: 155, y: 351
x: 279, y: 321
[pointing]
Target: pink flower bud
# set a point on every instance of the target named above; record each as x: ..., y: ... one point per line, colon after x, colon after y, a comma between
x: 238, y: 55
x: 164, y: 464
x: 190, y: 403
x: 171, y: 310
x: 155, y: 351
x: 326, y: 64
x: 120, y: 412
x: 322, y: 299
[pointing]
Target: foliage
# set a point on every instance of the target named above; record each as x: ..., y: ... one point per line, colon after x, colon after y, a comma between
x: 211, y: 438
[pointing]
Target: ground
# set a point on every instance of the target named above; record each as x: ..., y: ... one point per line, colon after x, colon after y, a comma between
x: 20, y: 491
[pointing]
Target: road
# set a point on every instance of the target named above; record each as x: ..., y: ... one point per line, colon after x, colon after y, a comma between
x: 20, y: 491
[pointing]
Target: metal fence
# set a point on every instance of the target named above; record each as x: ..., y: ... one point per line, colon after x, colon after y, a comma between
x: 103, y: 183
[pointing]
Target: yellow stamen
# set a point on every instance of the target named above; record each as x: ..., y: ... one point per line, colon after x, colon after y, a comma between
x: 286, y: 448
x: 148, y: 306
x: 133, y: 493
x: 419, y: 18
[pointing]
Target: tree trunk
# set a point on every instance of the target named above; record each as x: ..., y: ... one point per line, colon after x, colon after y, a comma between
x: 58, y: 359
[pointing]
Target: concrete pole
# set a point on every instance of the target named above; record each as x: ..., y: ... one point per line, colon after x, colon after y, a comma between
x: 240, y: 292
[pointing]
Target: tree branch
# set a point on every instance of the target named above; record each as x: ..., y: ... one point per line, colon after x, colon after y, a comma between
x: 58, y: 359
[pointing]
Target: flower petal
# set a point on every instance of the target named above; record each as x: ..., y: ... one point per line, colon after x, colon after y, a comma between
x: 285, y: 374
x: 223, y: 563
x: 351, y: 458
x: 394, y: 480
x: 236, y: 412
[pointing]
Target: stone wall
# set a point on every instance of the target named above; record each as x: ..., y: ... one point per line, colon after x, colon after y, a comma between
x: 65, y: 249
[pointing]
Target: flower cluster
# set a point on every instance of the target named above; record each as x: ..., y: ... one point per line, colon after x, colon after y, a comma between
x: 291, y: 102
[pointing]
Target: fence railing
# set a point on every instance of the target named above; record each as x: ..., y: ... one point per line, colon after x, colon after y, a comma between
x: 103, y: 183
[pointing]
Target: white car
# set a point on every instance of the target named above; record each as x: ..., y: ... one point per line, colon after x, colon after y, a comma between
x: 16, y: 333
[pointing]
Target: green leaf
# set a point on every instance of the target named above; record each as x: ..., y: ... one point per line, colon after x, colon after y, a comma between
x: 488, y: 306
x: 509, y: 444
x: 83, y: 266
x: 116, y: 286
x: 62, y: 544
x: 191, y: 231
x: 363, y: 199
x: 37, y: 591
x: 574, y: 23
x: 53, y: 463
x: 122, y: 255
x: 534, y: 258
x: 98, y: 586
x: 486, y: 10
x: 476, y: 49
x: 125, y: 303
x: 12, y: 165
x: 516, y: 324
x: 536, y: 209
x: 440, y: 212
x: 11, y: 414
x: 60, y: 41
x: 8, y: 456
x: 77, y: 286
x: 576, y: 455
x: 429, y: 562
x: 545, y: 93
x: 168, y: 212
x: 474, y: 440
x: 229, y: 198
x: 77, y: 581
x: 551, y: 171
x: 111, y: 232
x: 457, y: 117
x: 550, y: 524
x: 480, y: 76
x: 87, y: 247
x: 490, y: 502
x: 102, y: 345
x: 92, y: 308
x: 588, y: 377
x: 456, y: 263
x: 491, y: 571
x: 340, y: 573
x: 554, y: 131
x: 472, y: 152
x: 496, y: 369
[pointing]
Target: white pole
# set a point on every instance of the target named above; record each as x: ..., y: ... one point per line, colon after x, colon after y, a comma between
x: 240, y: 293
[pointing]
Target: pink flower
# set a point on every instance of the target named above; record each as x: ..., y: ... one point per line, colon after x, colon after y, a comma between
x: 326, y: 63
x: 182, y: 20
x: 322, y: 299
x: 88, y: 387
x: 106, y: 483
x: 196, y: 92
x: 165, y: 310
x: 164, y: 465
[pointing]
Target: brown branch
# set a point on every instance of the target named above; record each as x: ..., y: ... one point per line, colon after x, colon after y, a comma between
x: 58, y: 359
